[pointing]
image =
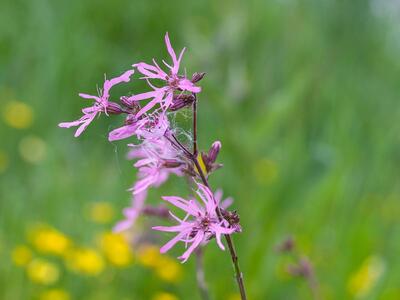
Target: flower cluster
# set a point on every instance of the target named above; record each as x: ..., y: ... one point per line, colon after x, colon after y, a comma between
x: 158, y: 151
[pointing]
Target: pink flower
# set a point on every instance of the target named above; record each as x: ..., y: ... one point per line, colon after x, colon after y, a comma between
x: 146, y: 127
x: 157, y: 160
x: 173, y: 81
x: 200, y: 224
x: 100, y: 105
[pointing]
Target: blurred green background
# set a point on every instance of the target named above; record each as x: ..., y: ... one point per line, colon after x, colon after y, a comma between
x: 303, y: 96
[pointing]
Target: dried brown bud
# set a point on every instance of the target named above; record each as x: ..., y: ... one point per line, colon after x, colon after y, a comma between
x: 233, y: 219
x: 303, y: 268
x: 286, y: 246
x: 171, y: 163
x: 197, y: 77
x: 160, y: 211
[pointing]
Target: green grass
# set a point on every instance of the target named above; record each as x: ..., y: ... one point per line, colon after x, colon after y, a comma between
x: 302, y: 94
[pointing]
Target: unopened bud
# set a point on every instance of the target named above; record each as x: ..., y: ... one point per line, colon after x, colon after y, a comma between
x: 125, y: 101
x: 114, y: 108
x: 133, y: 106
x: 214, y: 151
x: 198, y: 76
x: 181, y: 101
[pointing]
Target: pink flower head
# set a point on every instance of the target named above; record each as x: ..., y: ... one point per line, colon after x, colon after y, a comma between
x: 146, y: 127
x: 173, y: 81
x: 200, y: 224
x: 100, y: 105
x: 157, y: 160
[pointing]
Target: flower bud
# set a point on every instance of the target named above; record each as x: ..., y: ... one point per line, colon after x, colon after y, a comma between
x: 114, y: 108
x: 125, y: 101
x: 181, y: 101
x: 198, y: 76
x: 214, y: 151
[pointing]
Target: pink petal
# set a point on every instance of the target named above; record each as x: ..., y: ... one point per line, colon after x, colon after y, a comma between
x: 187, y: 85
x: 170, y: 49
x: 173, y: 241
x: 122, y: 132
x: 146, y: 95
x: 182, y: 204
x: 151, y: 71
x: 123, y: 225
x: 196, y: 242
x: 176, y: 228
x: 86, y: 96
x: 108, y: 84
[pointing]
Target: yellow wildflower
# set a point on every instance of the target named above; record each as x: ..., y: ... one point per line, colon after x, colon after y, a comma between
x: 18, y: 115
x: 164, y: 296
x: 42, y: 271
x: 21, y: 255
x: 100, y: 212
x: 365, y: 279
x: 168, y: 269
x: 49, y: 240
x: 116, y: 249
x: 3, y: 161
x: 149, y: 256
x: 55, y: 294
x: 85, y: 261
x: 32, y: 149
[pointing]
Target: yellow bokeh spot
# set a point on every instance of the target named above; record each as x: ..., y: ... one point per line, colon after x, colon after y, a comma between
x: 365, y: 279
x: 3, y: 161
x: 85, y: 261
x: 49, y: 240
x: 168, y: 269
x: 164, y: 296
x: 21, y: 255
x: 54, y: 294
x: 32, y: 149
x: 265, y: 171
x: 116, y: 249
x: 149, y: 256
x: 101, y: 212
x: 42, y: 272
x: 18, y: 115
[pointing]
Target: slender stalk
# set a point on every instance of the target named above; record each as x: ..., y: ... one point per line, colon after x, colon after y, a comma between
x: 195, y: 125
x: 201, y: 281
x: 229, y: 241
x: 228, y: 238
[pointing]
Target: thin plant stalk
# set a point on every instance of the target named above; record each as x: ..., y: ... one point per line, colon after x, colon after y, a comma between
x: 229, y: 241
x: 201, y: 281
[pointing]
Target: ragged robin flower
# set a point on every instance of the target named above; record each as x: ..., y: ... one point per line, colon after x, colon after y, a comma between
x: 200, y: 224
x: 100, y: 105
x: 173, y: 81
